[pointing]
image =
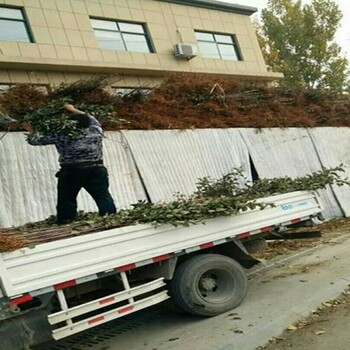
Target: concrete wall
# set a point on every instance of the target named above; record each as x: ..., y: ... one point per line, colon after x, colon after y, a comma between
x: 65, y: 45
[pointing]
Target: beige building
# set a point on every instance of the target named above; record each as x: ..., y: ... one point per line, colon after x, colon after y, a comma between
x: 47, y: 42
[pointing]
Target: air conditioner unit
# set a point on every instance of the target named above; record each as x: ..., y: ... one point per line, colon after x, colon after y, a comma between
x: 185, y: 51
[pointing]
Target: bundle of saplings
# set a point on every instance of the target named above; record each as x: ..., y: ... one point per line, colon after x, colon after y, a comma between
x: 226, y: 196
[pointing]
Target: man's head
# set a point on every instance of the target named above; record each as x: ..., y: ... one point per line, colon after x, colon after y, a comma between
x: 83, y: 120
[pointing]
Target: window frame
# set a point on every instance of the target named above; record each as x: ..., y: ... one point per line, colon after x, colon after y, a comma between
x: 130, y: 89
x: 146, y: 33
x: 24, y: 20
x: 45, y: 88
x: 4, y: 87
x: 234, y: 44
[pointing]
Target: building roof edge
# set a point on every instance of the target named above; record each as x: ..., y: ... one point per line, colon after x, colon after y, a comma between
x: 217, y: 5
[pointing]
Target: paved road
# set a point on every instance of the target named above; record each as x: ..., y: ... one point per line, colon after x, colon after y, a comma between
x: 327, y: 328
x: 278, y: 296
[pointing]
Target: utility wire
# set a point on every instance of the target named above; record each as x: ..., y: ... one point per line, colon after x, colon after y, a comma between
x: 6, y: 132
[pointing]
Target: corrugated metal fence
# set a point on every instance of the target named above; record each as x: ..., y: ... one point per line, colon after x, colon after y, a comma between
x: 157, y: 164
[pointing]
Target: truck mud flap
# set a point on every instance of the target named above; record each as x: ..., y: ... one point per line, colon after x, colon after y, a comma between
x: 242, y: 255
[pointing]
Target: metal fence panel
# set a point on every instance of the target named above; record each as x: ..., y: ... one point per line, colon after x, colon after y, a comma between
x: 333, y: 148
x: 288, y: 152
x: 28, y: 183
x: 172, y: 161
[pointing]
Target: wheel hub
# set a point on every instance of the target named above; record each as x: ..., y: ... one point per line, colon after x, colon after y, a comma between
x: 207, y: 284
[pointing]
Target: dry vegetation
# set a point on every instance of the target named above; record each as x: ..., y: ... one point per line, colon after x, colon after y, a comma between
x: 203, y: 102
x: 330, y: 230
x: 187, y: 101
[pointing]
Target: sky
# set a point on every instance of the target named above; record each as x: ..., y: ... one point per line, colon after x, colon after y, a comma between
x: 343, y: 33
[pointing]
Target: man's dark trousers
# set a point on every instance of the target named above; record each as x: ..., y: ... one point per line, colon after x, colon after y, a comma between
x: 71, y: 180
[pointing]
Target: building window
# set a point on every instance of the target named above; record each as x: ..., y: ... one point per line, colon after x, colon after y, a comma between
x: 42, y: 88
x: 221, y: 46
x: 4, y: 88
x: 124, y: 91
x: 121, y: 36
x: 13, y: 26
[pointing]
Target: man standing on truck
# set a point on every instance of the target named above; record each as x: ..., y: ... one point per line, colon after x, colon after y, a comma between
x: 81, y: 161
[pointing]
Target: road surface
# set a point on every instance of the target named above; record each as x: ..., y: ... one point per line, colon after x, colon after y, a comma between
x: 279, y: 295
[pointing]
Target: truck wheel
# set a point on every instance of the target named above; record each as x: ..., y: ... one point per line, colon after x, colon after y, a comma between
x: 208, y: 285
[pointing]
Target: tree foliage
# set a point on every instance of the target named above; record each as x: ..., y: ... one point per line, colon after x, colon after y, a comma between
x: 298, y: 40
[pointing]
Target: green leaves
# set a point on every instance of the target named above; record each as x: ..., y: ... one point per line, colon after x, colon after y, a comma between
x: 226, y: 196
x: 45, y: 111
x: 52, y: 119
x: 231, y: 185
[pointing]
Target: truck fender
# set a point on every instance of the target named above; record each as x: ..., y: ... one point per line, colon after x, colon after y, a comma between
x: 156, y: 270
x: 234, y: 249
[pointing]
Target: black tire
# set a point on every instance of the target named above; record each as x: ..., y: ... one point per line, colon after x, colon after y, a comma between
x: 208, y: 285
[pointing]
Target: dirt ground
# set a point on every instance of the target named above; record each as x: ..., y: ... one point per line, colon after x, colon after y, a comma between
x: 327, y: 328
x: 329, y: 230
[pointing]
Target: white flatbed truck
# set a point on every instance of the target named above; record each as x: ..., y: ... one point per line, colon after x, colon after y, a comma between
x: 59, y: 288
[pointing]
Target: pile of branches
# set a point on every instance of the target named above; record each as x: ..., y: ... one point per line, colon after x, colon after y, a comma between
x: 190, y: 101
x: 227, y: 196
x: 182, y: 101
x: 45, y: 111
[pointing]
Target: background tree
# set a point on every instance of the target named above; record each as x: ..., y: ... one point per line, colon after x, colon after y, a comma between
x: 298, y: 40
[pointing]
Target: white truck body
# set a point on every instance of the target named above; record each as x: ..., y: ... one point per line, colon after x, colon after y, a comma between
x: 54, y: 266
x: 49, y: 264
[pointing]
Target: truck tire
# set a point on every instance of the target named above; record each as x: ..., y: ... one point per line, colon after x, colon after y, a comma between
x: 208, y: 285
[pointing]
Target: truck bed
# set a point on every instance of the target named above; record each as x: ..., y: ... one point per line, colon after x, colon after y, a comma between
x: 72, y: 260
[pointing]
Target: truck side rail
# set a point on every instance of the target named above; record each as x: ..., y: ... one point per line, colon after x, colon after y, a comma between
x: 80, y: 259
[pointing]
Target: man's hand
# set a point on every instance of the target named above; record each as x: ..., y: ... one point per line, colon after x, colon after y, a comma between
x: 13, y: 123
x: 71, y: 109
x: 28, y: 127
x: 7, y: 121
